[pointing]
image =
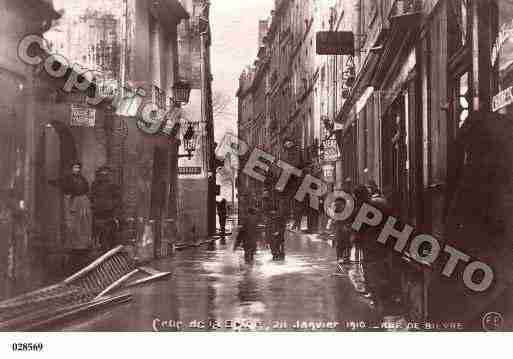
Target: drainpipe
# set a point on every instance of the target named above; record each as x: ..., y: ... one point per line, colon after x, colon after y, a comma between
x: 209, y: 159
x: 358, y: 31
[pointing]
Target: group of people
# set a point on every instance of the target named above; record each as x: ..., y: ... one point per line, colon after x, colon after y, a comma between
x: 378, y: 262
x: 345, y: 236
x: 92, y: 212
x: 275, y: 226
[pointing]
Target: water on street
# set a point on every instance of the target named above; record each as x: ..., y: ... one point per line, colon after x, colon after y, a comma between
x: 211, y: 288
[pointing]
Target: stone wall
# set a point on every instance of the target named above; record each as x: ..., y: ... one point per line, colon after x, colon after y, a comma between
x: 192, y: 209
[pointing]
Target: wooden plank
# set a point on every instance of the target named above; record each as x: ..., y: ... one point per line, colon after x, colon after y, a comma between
x: 72, y: 312
x: 21, y: 298
x: 117, y: 283
x: 161, y: 275
x: 93, y: 265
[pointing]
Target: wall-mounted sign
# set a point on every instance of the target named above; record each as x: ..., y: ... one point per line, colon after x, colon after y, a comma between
x: 187, y: 171
x: 335, y: 43
x: 82, y: 116
x: 331, y: 151
x: 502, y: 99
x: 328, y: 173
x: 107, y: 88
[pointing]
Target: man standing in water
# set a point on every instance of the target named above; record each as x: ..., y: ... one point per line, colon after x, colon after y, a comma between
x: 248, y: 236
x: 343, y: 228
x: 222, y: 213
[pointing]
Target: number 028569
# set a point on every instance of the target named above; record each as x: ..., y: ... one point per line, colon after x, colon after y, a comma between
x: 27, y: 347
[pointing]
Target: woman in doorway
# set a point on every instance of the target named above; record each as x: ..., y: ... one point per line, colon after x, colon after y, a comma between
x: 77, y: 208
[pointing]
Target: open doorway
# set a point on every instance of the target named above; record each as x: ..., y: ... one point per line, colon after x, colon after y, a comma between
x: 58, y: 152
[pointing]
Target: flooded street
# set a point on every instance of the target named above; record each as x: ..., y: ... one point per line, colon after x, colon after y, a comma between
x: 211, y: 288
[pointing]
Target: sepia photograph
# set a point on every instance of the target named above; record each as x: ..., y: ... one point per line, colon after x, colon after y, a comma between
x: 255, y: 166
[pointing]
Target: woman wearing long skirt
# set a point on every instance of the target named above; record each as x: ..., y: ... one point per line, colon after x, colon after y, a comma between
x: 77, y: 209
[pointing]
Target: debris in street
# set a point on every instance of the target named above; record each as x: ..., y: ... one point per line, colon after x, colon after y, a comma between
x: 90, y: 288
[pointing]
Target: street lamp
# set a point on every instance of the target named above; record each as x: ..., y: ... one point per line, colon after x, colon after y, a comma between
x: 189, y: 142
x: 182, y: 93
x: 288, y: 144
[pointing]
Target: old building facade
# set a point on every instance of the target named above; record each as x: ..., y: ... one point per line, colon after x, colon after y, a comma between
x: 96, y: 50
x: 403, y: 111
x: 285, y: 103
x: 18, y: 126
x: 196, y: 178
x: 423, y: 89
x: 132, y: 44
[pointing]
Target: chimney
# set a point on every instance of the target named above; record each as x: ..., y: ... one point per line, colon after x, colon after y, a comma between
x: 263, y: 26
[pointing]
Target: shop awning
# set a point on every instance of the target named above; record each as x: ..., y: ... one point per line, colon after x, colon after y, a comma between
x: 365, y: 76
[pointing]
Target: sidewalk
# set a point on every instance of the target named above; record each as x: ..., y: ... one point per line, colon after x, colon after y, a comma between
x: 230, y: 230
x: 353, y: 269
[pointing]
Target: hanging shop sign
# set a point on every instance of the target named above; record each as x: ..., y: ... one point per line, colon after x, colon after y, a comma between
x: 502, y: 99
x: 335, y: 43
x: 328, y: 173
x: 331, y: 150
x: 505, y: 33
x: 82, y: 116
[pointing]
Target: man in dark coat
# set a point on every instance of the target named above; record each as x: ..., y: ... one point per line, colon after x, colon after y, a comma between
x: 106, y: 204
x: 278, y: 225
x: 248, y: 235
x: 343, y: 228
x: 377, y: 265
x: 73, y: 183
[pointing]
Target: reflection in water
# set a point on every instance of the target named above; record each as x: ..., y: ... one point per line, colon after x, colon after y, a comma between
x: 248, y: 288
x: 214, y: 285
x: 355, y: 274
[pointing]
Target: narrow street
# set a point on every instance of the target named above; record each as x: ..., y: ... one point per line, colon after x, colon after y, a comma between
x: 213, y: 284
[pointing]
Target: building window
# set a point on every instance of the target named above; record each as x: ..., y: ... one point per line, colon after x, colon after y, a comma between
x: 461, y: 99
x: 394, y: 152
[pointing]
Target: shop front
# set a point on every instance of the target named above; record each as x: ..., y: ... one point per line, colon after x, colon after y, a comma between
x: 501, y: 60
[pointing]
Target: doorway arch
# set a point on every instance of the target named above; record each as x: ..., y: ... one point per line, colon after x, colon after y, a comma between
x: 58, y: 152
